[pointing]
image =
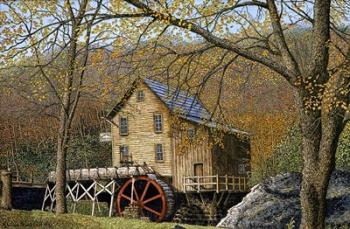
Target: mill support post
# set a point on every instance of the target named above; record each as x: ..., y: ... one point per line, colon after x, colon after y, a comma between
x: 6, y: 198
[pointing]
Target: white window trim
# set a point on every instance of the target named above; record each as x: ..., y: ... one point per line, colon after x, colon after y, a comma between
x: 120, y: 126
x: 138, y: 97
x: 156, y: 152
x: 161, y: 123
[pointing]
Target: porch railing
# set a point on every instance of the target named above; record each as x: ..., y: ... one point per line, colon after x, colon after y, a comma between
x: 215, y: 183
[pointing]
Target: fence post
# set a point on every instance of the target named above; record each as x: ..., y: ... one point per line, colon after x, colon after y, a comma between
x: 233, y: 183
x: 6, y: 198
x: 198, y: 184
x: 226, y: 181
x: 183, y: 184
x: 239, y: 183
x: 31, y: 177
x: 217, y: 183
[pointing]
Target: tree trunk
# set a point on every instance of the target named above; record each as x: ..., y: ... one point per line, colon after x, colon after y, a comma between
x: 61, y: 176
x: 69, y: 104
x: 321, y: 132
x: 313, y: 195
x: 6, y: 198
x: 63, y: 136
x: 63, y: 133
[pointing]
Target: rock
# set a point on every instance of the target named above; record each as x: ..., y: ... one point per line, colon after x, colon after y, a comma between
x: 275, y: 203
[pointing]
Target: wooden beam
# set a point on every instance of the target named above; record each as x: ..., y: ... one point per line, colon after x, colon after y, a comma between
x: 6, y: 198
x: 239, y: 183
x: 217, y: 183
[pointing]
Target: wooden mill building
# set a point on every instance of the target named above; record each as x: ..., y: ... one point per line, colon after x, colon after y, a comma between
x: 171, y: 131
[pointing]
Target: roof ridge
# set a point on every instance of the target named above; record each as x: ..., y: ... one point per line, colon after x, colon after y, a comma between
x: 189, y: 106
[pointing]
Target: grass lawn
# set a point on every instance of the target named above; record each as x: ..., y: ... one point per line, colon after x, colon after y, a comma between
x: 39, y: 219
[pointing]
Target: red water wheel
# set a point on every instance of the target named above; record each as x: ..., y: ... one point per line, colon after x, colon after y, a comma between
x: 146, y: 194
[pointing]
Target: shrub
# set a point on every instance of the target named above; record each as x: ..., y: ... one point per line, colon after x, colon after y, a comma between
x: 37, y: 160
x: 287, y: 157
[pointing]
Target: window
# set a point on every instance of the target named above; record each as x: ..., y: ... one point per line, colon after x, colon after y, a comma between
x: 140, y: 96
x: 123, y: 126
x: 124, y: 153
x: 158, y: 123
x: 190, y: 133
x: 159, y: 152
x: 241, y: 169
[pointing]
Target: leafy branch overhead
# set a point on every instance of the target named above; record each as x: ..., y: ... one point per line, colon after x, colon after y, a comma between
x: 281, y: 59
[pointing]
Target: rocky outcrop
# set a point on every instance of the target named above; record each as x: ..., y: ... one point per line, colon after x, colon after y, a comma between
x: 275, y: 203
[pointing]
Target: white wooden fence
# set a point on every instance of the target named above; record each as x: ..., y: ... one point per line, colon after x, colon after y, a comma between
x: 215, y: 183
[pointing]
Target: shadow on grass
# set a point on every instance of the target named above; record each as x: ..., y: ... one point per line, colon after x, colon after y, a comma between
x: 39, y: 219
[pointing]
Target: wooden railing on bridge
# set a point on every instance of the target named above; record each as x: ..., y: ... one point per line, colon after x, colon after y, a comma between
x: 20, y: 182
x: 215, y: 183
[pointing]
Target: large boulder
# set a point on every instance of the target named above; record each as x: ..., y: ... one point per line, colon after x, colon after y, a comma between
x: 275, y: 203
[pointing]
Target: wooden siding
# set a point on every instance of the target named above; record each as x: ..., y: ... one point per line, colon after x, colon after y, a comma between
x: 141, y: 138
x: 197, y: 152
x: 217, y: 160
x: 226, y: 159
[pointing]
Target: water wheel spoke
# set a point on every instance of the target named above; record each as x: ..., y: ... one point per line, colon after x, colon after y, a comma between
x: 152, y: 198
x: 126, y: 197
x: 147, y: 194
x: 145, y: 190
x: 152, y: 211
x: 136, y: 195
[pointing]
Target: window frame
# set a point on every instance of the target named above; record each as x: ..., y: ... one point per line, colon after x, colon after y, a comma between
x: 120, y: 126
x: 121, y: 153
x: 155, y: 124
x: 125, y: 147
x: 138, y: 98
x: 157, y: 153
x: 193, y: 130
x: 241, y: 169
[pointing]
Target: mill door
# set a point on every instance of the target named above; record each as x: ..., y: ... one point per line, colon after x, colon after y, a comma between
x: 198, y: 169
x: 198, y: 172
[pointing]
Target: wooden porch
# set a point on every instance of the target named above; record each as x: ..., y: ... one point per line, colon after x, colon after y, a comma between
x: 215, y: 183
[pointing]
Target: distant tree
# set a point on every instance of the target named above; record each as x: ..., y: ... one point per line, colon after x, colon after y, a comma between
x: 343, y: 150
x: 287, y: 156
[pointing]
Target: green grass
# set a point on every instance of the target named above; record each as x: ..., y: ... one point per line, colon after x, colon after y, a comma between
x: 84, y: 207
x: 39, y: 219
